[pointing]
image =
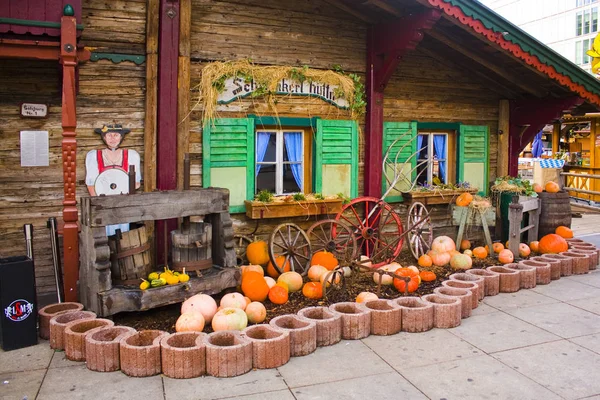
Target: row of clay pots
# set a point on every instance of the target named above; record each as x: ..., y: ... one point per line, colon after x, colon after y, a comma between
x: 106, y: 347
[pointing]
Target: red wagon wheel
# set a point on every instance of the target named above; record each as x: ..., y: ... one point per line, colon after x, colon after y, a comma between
x: 376, y: 226
x: 334, y: 237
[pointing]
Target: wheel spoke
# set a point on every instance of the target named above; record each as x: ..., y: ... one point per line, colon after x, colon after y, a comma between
x: 283, y: 238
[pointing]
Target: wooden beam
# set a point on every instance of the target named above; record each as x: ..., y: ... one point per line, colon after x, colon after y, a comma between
x: 68, y: 60
x: 503, y: 135
x: 497, y: 69
x: 183, y: 95
x: 528, y: 117
x: 150, y: 120
x: 555, y: 137
x: 385, y: 7
x: 342, y: 6
x: 36, y: 50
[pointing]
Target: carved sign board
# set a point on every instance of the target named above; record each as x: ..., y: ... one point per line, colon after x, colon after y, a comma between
x: 238, y: 88
x: 31, y: 110
x: 34, y: 149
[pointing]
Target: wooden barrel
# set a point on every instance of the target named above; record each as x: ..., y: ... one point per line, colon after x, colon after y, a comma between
x: 555, y: 211
x: 130, y: 257
x: 192, y: 247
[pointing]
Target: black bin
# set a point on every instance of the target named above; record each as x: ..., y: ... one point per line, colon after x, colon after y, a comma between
x: 18, y: 324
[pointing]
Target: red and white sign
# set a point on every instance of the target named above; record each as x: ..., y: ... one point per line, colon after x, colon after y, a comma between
x: 18, y: 310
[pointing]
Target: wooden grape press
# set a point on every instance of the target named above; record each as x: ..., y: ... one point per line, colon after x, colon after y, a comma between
x: 98, y: 292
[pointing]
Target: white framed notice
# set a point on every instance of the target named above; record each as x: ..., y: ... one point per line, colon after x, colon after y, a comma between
x: 34, y: 149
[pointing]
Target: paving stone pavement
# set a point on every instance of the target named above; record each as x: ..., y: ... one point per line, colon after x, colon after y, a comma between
x: 542, y: 343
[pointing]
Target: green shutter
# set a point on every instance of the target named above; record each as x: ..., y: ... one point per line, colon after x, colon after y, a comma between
x: 406, y: 146
x: 473, y: 156
x: 228, y: 159
x: 336, y: 158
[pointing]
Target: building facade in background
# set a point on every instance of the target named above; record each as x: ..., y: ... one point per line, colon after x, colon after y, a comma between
x: 566, y: 26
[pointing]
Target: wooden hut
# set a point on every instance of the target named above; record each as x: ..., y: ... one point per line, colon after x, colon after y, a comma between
x: 448, y: 69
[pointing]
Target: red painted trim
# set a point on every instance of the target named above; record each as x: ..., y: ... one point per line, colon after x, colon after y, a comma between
x: 516, y: 50
x: 68, y: 59
x: 36, y: 50
x: 166, y: 140
x: 536, y: 113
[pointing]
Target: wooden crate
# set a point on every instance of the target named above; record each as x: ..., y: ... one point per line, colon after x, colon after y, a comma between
x: 259, y: 210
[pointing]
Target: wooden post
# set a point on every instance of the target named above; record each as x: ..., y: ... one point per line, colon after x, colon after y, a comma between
x: 593, y: 136
x: 503, y: 135
x: 68, y: 59
x: 556, y: 137
x: 151, y: 95
x: 183, y: 95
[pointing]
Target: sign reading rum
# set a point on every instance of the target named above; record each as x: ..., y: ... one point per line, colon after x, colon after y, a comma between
x: 238, y: 88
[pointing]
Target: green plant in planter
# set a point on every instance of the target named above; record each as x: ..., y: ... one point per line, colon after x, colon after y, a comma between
x: 319, y: 196
x: 343, y: 197
x: 514, y: 184
x: 264, y: 196
x: 299, y: 197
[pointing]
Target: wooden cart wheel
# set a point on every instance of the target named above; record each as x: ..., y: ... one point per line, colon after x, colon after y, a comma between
x: 334, y: 237
x: 376, y: 226
x: 241, y: 245
x: 290, y: 241
x: 420, y: 230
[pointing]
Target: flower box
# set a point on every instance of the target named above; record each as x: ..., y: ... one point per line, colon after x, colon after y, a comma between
x: 280, y: 209
x: 441, y: 196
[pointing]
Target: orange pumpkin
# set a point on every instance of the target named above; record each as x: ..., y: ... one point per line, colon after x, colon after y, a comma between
x: 312, y: 290
x: 480, y: 252
x: 258, y: 252
x: 278, y: 295
x: 254, y: 286
x: 439, y: 258
x: 553, y: 243
x: 524, y: 250
x: 506, y: 256
x: 427, y: 276
x: 425, y: 261
x: 401, y: 285
x: 535, y: 246
x: 464, y: 199
x: 252, y: 267
x: 552, y: 187
x: 280, y: 260
x: 564, y: 232
x: 465, y: 244
x: 498, y: 247
x: 325, y: 259
x: 537, y: 188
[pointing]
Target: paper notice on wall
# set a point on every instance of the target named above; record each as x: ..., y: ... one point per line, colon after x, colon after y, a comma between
x: 34, y: 149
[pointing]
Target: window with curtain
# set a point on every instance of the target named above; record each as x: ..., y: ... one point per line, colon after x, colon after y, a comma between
x: 432, y: 159
x: 280, y: 161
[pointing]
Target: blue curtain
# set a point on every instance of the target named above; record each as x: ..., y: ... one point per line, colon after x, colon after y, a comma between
x: 262, y: 142
x: 538, y: 147
x: 293, y: 145
x: 439, y: 145
x: 419, y: 144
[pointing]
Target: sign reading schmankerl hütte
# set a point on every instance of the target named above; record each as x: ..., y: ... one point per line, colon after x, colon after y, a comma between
x: 238, y: 88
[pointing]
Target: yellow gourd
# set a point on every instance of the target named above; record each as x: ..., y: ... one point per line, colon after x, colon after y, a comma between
x: 172, y: 279
x: 144, y: 285
x: 153, y: 275
x: 183, y: 277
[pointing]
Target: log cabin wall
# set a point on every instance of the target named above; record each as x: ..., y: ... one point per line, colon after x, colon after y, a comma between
x: 108, y: 93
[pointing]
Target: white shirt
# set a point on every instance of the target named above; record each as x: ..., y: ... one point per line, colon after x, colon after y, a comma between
x: 91, y: 166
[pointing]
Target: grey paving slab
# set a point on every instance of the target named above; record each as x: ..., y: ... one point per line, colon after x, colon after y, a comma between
x: 26, y: 359
x: 475, y: 378
x: 590, y: 304
x: 60, y: 360
x: 278, y: 395
x: 385, y: 386
x: 483, y: 309
x: 20, y: 385
x: 208, y: 387
x: 563, y: 367
x: 590, y: 342
x: 78, y: 382
x: 592, y: 279
x: 500, y: 331
x: 560, y: 319
x: 520, y: 299
x: 567, y: 289
x: 345, y: 360
x: 409, y: 350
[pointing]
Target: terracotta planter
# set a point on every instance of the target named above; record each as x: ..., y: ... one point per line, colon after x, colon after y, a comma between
x: 228, y: 353
x: 75, y: 333
x: 581, y: 262
x: 447, y: 310
x: 465, y: 296
x: 591, y: 253
x: 510, y: 280
x: 356, y: 319
x: 303, y: 333
x: 46, y: 313
x: 555, y: 266
x: 417, y: 315
x: 477, y: 279
x: 102, y: 348
x: 386, y: 317
x: 329, y: 324
x: 491, y: 279
x: 270, y: 346
x: 59, y: 322
x: 183, y: 355
x: 543, y: 271
x: 140, y: 353
x: 470, y: 286
x: 527, y: 274
x: 566, y: 263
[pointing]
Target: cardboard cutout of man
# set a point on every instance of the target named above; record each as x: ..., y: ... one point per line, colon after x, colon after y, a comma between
x: 111, y: 157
